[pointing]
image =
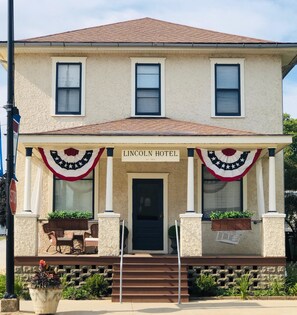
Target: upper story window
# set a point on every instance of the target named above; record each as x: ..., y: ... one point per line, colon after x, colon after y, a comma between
x: 227, y: 91
x: 68, y: 86
x: 147, y: 89
x: 68, y: 90
x: 148, y: 86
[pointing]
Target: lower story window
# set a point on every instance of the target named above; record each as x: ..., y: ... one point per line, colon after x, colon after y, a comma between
x: 220, y: 196
x: 77, y: 195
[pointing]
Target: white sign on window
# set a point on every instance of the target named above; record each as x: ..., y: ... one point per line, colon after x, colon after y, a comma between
x: 150, y: 155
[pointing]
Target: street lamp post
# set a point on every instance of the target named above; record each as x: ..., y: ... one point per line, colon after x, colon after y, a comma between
x: 11, y: 109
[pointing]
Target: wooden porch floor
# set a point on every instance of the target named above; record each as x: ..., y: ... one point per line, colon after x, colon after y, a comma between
x: 93, y: 259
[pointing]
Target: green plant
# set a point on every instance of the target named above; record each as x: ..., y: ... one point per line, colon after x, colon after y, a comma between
x: 96, y: 285
x: 73, y: 293
x: 205, y: 285
x: 244, y: 286
x: 69, y: 215
x: 291, y: 278
x: 172, y: 231
x: 217, y: 215
x: 19, y: 288
x: 45, y: 277
x: 277, y: 287
x: 293, y: 290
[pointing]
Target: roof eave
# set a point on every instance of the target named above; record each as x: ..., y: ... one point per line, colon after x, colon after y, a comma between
x: 214, y: 141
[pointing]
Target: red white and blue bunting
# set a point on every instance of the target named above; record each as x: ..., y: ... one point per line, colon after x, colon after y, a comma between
x: 71, y: 164
x: 228, y: 164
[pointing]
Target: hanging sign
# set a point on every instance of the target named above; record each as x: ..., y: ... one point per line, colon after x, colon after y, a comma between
x: 71, y: 164
x: 228, y: 164
x: 13, y: 196
x: 150, y: 155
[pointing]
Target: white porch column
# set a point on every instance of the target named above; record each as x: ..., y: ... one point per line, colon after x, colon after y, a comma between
x: 190, y: 222
x: 109, y: 222
x: 272, y: 187
x: 27, y: 187
x: 109, y: 181
x: 190, y: 185
x: 273, y: 231
x: 260, y: 188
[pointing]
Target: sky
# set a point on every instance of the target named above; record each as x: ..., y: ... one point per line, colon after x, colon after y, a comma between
x: 265, y: 19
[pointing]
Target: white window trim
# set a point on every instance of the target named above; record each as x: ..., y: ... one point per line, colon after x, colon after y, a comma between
x: 55, y: 60
x: 213, y: 62
x: 134, y: 61
x: 163, y: 176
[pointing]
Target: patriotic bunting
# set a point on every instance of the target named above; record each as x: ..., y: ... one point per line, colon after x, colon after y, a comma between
x: 228, y: 164
x: 71, y: 164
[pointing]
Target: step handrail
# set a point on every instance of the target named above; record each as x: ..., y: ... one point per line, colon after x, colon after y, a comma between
x: 179, y: 263
x: 121, y: 263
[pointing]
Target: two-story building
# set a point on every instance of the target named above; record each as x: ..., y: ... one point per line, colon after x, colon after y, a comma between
x: 152, y: 122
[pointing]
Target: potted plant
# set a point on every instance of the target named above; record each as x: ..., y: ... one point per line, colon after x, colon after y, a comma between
x: 230, y: 220
x: 69, y: 220
x: 45, y: 289
x: 172, y: 236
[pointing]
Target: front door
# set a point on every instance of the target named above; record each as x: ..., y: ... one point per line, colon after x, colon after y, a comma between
x: 148, y: 215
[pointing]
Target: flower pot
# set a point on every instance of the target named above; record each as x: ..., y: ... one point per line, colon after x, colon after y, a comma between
x: 45, y: 300
x: 173, y: 245
x: 231, y: 224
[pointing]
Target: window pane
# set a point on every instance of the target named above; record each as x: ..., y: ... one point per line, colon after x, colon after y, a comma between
x: 227, y: 77
x: 147, y: 76
x: 220, y: 196
x: 69, y: 75
x: 68, y: 101
x: 73, y: 196
x: 147, y: 101
x: 227, y: 102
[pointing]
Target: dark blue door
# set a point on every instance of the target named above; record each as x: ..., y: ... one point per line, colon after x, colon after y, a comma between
x: 147, y: 214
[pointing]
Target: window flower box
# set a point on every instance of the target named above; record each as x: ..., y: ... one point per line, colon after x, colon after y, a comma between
x: 68, y: 220
x: 230, y: 220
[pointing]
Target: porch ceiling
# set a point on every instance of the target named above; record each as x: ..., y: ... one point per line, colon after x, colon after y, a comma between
x: 154, y: 131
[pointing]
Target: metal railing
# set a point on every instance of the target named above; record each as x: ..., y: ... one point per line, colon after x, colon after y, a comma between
x: 121, y: 263
x: 179, y: 263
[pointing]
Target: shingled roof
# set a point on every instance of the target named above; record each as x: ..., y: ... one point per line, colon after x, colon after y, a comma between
x: 145, y: 30
x: 149, y: 127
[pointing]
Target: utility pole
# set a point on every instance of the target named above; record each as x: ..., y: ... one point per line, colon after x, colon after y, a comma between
x: 11, y: 110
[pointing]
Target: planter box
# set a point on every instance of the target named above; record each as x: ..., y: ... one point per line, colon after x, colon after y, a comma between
x: 68, y: 224
x: 231, y: 224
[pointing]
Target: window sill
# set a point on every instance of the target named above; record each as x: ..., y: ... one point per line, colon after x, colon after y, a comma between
x: 230, y: 117
x: 66, y: 115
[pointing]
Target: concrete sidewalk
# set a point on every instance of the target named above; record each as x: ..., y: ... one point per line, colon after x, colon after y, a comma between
x: 205, y: 307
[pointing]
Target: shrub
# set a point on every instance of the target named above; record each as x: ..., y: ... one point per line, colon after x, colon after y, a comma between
x: 206, y: 285
x: 19, y: 288
x: 293, y: 290
x: 291, y: 278
x: 96, y: 285
x: 277, y: 287
x: 72, y: 293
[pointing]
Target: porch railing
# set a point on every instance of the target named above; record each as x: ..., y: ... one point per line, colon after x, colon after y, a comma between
x: 179, y: 263
x: 121, y: 263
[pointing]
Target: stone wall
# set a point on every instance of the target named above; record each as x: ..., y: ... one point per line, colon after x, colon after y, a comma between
x: 226, y: 276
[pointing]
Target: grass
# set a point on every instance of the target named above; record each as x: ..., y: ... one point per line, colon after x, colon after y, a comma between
x: 2, y: 237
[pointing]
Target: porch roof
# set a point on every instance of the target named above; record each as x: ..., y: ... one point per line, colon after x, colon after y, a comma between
x: 163, y: 131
